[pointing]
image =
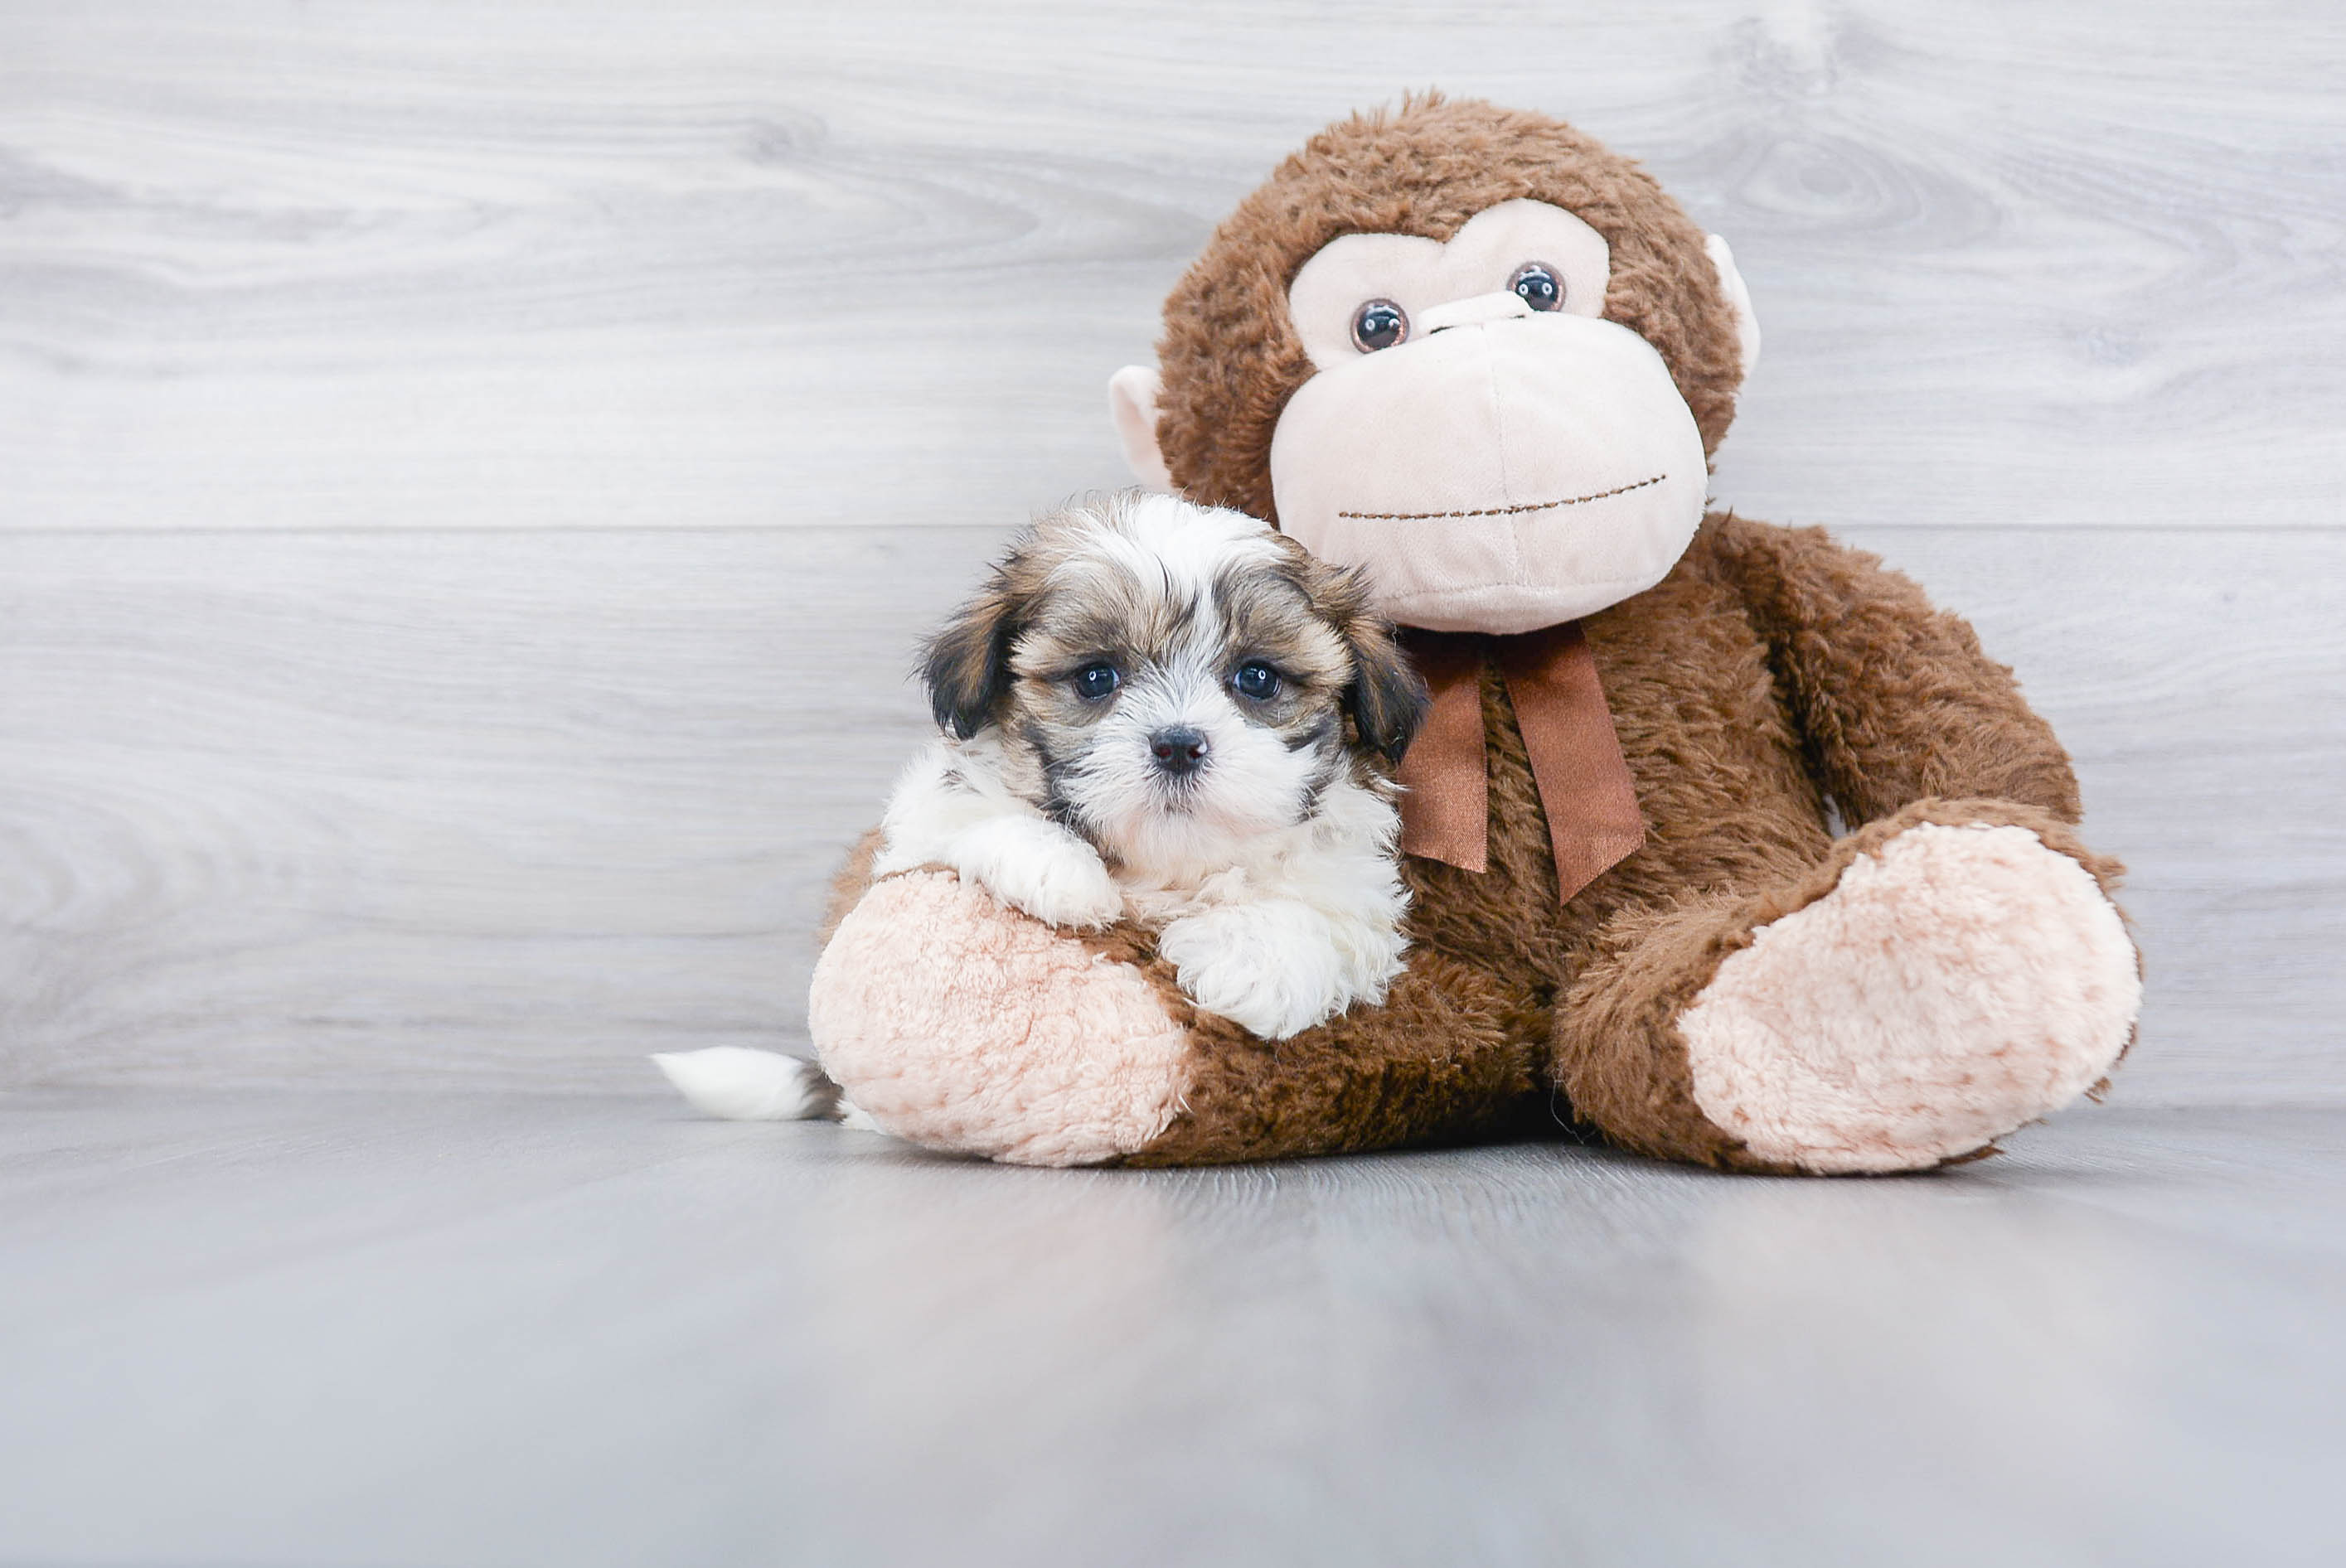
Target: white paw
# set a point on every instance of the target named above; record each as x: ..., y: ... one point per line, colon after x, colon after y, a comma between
x: 1043, y: 870
x: 1063, y: 889
x: 1262, y: 966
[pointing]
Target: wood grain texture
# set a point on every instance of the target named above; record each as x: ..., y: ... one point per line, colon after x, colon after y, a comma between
x: 470, y: 480
x: 480, y: 804
x: 514, y: 808
x: 331, y: 1330
x: 280, y: 266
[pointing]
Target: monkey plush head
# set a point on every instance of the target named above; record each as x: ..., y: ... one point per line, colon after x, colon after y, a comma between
x: 1464, y: 346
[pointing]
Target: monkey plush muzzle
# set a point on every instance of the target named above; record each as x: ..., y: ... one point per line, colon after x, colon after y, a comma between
x: 1499, y: 472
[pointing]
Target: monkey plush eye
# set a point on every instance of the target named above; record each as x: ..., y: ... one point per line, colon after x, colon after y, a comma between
x: 1096, y: 681
x: 1539, y: 284
x: 1379, y: 324
x: 1256, y: 681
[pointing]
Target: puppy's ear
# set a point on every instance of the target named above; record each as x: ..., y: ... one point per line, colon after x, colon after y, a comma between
x: 1387, y: 699
x: 966, y: 665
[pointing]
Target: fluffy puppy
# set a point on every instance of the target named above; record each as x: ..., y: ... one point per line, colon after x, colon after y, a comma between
x: 1163, y: 713
x: 1159, y: 713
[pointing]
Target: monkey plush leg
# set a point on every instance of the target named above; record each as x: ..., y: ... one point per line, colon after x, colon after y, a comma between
x: 1951, y: 973
x: 960, y: 1024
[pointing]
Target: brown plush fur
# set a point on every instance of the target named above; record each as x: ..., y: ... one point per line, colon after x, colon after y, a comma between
x: 1772, y: 671
x: 1510, y: 994
x: 1773, y: 677
x: 850, y: 883
x: 1230, y: 356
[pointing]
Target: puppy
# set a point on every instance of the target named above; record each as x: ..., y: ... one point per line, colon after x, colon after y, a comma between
x: 1173, y: 715
x: 1162, y: 713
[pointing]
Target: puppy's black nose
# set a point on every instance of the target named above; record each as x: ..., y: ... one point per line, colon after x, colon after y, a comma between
x: 1176, y: 751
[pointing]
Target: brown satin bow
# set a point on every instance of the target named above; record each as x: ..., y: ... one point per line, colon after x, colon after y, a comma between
x: 1585, y: 788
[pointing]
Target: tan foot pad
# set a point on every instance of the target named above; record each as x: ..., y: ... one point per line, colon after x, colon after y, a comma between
x: 1958, y: 983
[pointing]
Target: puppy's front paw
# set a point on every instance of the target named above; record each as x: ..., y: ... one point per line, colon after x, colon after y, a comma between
x: 1263, y: 967
x: 1042, y: 870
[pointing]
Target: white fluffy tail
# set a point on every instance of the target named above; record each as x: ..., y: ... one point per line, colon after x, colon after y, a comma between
x: 745, y: 1086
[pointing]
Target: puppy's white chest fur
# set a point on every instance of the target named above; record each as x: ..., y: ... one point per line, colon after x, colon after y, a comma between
x: 1290, y: 927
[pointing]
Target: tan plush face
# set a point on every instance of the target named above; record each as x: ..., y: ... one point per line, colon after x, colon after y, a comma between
x: 1462, y: 347
x: 1473, y: 432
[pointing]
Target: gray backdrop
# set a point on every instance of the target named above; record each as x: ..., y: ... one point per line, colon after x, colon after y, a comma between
x: 470, y: 479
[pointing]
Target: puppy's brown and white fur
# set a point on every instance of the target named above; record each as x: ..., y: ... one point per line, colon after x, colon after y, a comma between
x: 1173, y: 715
x: 1166, y: 713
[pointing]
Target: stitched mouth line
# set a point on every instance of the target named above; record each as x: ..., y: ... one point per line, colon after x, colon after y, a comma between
x: 1501, y: 511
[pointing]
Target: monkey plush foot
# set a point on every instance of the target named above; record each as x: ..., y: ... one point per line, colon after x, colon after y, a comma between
x: 960, y: 1024
x: 1957, y: 981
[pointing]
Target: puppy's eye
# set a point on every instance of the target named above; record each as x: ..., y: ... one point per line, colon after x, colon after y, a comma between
x: 1256, y: 681
x: 1538, y: 285
x: 1095, y: 681
x: 1379, y: 324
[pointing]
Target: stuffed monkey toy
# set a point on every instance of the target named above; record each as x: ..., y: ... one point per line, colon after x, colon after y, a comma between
x: 1722, y: 842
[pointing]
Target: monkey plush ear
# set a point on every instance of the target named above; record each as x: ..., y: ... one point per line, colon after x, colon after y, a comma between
x: 1738, y: 299
x: 1132, y: 404
x: 966, y: 665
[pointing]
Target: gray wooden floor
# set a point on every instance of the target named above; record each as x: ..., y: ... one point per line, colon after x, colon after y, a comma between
x: 278, y: 1328
x: 470, y: 482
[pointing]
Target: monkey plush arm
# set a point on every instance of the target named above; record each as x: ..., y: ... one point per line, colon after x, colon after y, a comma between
x: 1895, y: 701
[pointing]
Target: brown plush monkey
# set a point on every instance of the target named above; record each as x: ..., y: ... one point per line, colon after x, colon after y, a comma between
x: 1471, y: 349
